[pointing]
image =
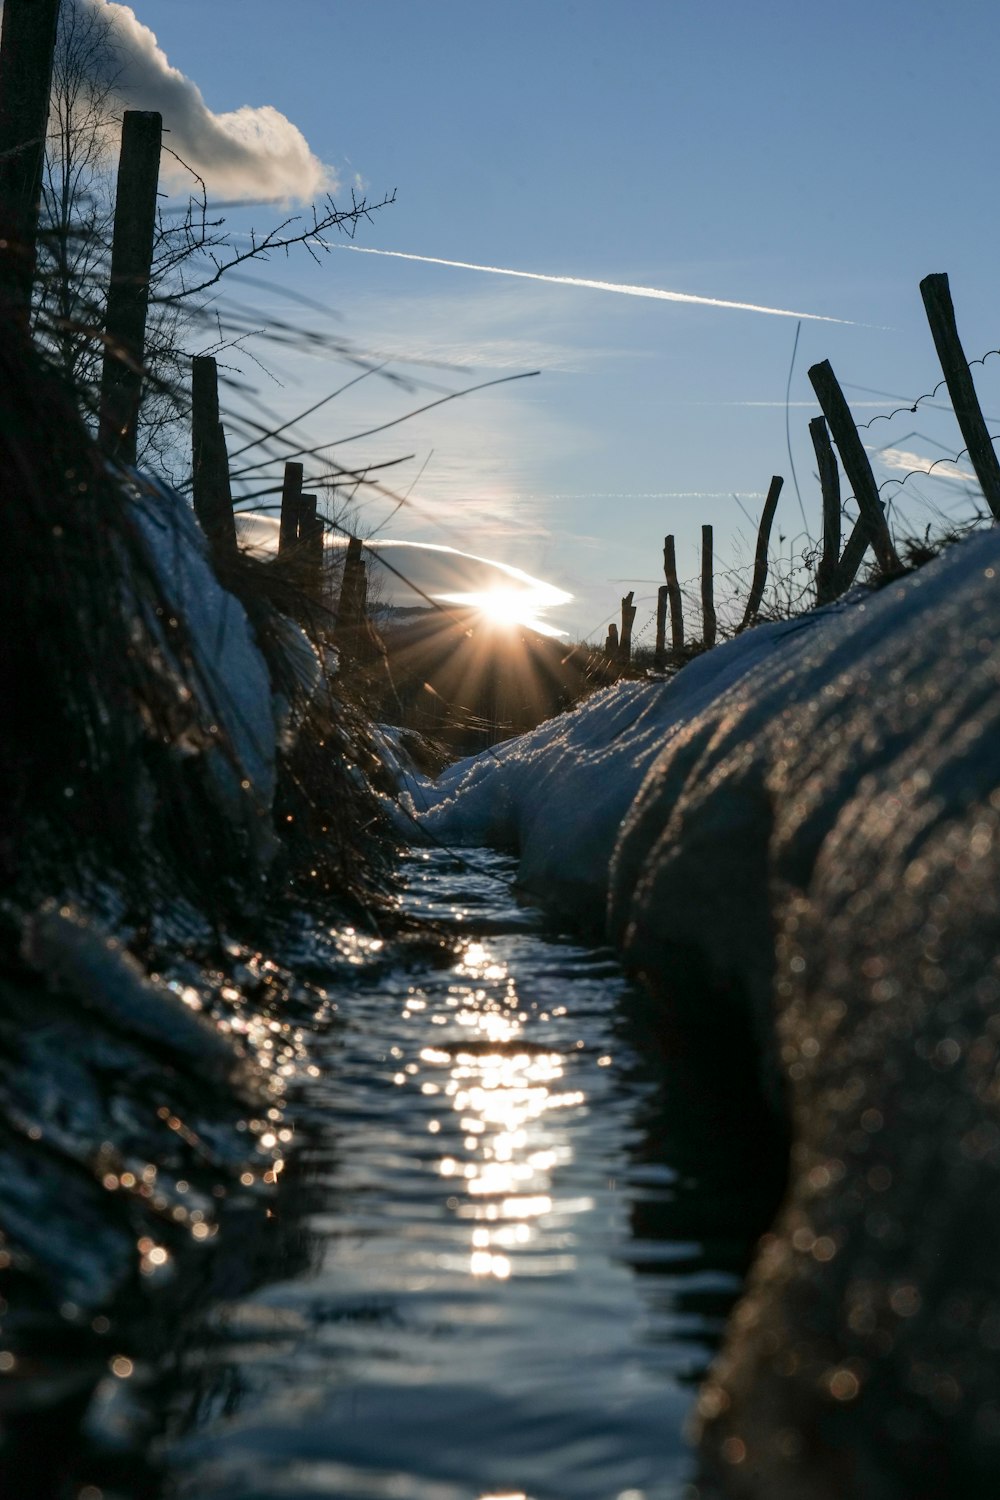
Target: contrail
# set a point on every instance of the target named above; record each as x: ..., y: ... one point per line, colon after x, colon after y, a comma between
x: 599, y: 286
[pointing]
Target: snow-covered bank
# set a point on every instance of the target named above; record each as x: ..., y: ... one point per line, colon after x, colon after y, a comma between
x: 807, y: 820
x: 558, y: 796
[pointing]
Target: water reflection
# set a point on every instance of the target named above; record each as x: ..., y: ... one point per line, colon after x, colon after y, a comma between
x: 492, y: 1165
x: 500, y: 1140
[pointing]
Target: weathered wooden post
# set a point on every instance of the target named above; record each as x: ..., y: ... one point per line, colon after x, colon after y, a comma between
x: 760, y: 556
x: 628, y: 620
x: 291, y: 493
x: 673, y: 594
x: 955, y: 367
x: 27, y: 43
x: 611, y: 644
x: 855, y: 461
x: 311, y: 544
x: 852, y: 556
x: 128, y: 287
x: 708, y: 621
x: 211, y: 492
x: 660, y: 653
x: 829, y: 481
x: 359, y: 639
x: 353, y: 589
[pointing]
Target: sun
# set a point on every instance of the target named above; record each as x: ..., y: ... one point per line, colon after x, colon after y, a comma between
x: 507, y: 607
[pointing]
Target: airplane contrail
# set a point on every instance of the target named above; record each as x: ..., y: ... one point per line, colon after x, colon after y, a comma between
x: 623, y: 289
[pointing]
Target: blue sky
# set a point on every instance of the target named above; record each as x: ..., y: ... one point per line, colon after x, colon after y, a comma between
x: 793, y: 155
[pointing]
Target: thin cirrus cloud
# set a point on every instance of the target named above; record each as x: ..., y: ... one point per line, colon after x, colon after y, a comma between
x: 250, y: 154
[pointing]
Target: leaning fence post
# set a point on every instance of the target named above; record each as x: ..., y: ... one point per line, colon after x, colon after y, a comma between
x: 128, y: 285
x: 855, y: 461
x: 628, y: 619
x: 708, y: 623
x: 829, y: 482
x: 660, y: 654
x: 26, y: 48
x: 760, y: 556
x: 941, y: 316
x: 852, y: 558
x: 211, y: 493
x: 673, y: 594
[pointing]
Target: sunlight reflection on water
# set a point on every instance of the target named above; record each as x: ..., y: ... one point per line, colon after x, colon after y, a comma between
x: 479, y: 1321
x: 504, y: 1100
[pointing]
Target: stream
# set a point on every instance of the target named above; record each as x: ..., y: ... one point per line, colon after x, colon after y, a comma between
x: 518, y: 1235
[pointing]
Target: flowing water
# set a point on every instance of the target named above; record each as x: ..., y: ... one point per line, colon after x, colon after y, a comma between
x: 520, y: 1240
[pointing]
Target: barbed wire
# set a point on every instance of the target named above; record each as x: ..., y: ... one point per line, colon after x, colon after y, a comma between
x: 927, y: 396
x: 688, y: 585
x: 910, y: 473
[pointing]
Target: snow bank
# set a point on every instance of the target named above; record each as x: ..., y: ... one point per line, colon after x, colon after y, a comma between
x: 875, y: 707
x: 558, y: 795
x: 676, y: 808
x: 94, y: 969
x: 807, y: 823
x: 229, y: 672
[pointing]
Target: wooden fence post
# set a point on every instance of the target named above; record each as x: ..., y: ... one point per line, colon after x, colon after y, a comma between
x: 852, y: 558
x: 310, y: 541
x: 829, y: 481
x: 708, y: 621
x: 291, y: 492
x: 855, y: 461
x: 211, y: 492
x: 128, y: 287
x: 660, y: 654
x: 628, y: 620
x: 353, y: 588
x: 955, y: 367
x: 611, y: 643
x: 760, y: 556
x: 673, y: 594
x: 360, y: 641
x: 26, y: 47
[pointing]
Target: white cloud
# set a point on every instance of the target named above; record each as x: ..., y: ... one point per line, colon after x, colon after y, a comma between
x: 901, y: 458
x: 253, y: 153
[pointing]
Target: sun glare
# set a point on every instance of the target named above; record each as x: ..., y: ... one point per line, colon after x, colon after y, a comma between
x: 510, y: 607
x: 504, y: 607
x: 524, y: 600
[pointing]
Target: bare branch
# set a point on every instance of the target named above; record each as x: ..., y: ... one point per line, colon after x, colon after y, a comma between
x: 282, y: 238
x: 395, y: 422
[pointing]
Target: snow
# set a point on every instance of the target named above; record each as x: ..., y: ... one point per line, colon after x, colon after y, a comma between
x: 231, y: 676
x: 804, y: 827
x: 674, y: 810
x: 871, y: 717
x: 558, y: 795
x: 78, y: 960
